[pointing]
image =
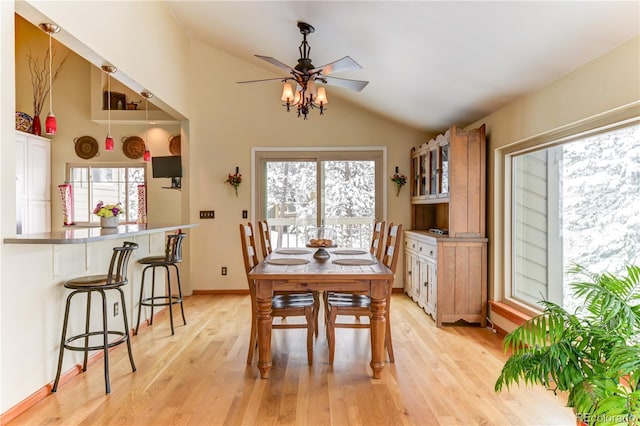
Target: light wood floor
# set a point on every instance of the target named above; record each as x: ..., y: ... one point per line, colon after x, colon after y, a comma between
x: 200, y: 377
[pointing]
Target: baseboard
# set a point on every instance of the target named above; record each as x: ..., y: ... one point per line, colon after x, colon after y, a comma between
x: 30, y: 401
x: 219, y: 292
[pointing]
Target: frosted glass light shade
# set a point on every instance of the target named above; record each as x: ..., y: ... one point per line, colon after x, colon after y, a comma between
x: 50, y: 124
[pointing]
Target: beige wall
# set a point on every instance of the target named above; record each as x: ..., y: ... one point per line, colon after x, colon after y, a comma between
x: 600, y: 86
x: 229, y: 119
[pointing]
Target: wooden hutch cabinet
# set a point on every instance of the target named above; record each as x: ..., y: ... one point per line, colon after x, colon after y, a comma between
x: 446, y: 248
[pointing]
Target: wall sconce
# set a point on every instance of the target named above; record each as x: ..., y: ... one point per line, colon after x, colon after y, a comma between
x: 398, y: 180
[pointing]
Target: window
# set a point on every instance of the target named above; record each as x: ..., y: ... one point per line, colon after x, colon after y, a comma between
x: 300, y: 191
x: 110, y: 183
x: 574, y: 202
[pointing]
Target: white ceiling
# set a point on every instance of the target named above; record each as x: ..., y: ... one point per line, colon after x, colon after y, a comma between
x: 430, y: 64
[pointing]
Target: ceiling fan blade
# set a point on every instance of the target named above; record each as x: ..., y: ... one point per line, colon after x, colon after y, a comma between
x: 356, y: 85
x: 266, y: 79
x: 277, y: 63
x: 344, y: 64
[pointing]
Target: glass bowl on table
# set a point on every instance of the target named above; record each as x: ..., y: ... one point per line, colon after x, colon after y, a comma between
x: 321, y: 238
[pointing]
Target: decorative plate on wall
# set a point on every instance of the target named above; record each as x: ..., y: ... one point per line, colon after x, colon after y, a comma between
x: 86, y: 147
x: 23, y: 121
x: 174, y: 145
x: 133, y: 147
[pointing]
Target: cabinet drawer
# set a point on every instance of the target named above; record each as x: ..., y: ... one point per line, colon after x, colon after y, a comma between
x: 410, y: 243
x: 426, y: 249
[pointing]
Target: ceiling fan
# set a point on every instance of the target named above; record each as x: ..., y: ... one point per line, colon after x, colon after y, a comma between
x: 307, y: 96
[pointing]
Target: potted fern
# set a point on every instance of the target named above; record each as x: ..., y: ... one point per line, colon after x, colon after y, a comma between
x: 593, y: 354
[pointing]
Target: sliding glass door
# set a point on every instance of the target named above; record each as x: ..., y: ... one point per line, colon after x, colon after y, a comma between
x: 339, y: 192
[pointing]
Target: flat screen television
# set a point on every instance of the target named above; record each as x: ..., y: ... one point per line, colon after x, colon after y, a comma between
x: 166, y: 167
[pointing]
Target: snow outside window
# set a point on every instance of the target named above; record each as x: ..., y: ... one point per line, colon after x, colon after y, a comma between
x: 578, y: 202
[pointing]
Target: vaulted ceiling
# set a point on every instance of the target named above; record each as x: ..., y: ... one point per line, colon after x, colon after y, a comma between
x: 430, y: 64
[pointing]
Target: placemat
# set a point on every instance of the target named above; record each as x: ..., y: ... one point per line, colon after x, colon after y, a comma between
x: 349, y: 251
x: 354, y: 262
x: 293, y: 251
x: 287, y: 261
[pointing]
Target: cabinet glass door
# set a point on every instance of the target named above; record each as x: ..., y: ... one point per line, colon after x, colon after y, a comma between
x: 433, y: 172
x: 444, y: 170
x: 423, y: 174
x: 415, y: 174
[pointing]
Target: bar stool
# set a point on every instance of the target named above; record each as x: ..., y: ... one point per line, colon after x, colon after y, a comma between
x: 172, y: 256
x: 113, y: 280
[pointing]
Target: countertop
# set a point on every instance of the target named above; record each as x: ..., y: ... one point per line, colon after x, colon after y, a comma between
x: 79, y: 235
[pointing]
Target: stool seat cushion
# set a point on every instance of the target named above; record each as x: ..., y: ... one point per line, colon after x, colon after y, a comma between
x: 90, y: 280
x: 156, y: 260
x: 94, y: 281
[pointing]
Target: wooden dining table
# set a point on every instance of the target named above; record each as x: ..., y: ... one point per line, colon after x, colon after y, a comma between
x: 298, y: 269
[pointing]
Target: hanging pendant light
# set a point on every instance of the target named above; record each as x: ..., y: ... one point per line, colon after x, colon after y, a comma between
x: 147, y: 153
x: 108, y: 142
x: 50, y: 124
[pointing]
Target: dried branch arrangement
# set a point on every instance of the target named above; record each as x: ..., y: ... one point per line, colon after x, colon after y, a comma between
x: 40, y: 78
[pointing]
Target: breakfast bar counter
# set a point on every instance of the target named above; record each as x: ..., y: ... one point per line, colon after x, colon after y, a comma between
x: 80, y: 235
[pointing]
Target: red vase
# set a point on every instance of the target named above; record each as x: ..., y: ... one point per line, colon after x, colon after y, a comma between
x: 36, y: 127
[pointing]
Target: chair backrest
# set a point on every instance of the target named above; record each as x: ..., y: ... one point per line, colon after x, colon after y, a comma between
x: 265, y: 238
x: 173, y: 249
x: 392, y: 247
x: 119, y: 262
x: 248, y: 243
x: 377, y: 239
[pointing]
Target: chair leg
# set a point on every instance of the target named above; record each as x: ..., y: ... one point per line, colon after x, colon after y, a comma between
x: 184, y: 320
x: 309, y: 314
x: 62, y: 342
x: 253, y: 338
x: 105, y: 337
x: 331, y: 332
x: 387, y: 337
x: 316, y: 309
x: 126, y: 328
x: 169, y: 297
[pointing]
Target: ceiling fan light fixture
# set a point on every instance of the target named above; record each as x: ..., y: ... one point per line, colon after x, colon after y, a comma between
x: 321, y: 98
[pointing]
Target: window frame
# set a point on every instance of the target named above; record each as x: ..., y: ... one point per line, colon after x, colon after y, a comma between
x: 503, y: 220
x: 90, y: 166
x: 378, y: 154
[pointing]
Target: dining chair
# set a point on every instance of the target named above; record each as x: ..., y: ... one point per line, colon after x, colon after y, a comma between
x: 282, y: 305
x: 265, y: 238
x: 360, y: 304
x: 378, y: 235
x: 375, y: 248
x: 267, y: 249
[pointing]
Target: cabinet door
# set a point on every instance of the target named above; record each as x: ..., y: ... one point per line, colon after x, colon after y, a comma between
x: 38, y: 169
x: 38, y: 217
x: 417, y: 278
x: 408, y: 271
x: 21, y: 186
x: 432, y: 289
x: 443, y: 159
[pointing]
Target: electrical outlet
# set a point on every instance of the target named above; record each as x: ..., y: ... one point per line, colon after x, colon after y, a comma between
x: 245, y: 214
x: 207, y: 214
x: 224, y: 270
x: 115, y: 309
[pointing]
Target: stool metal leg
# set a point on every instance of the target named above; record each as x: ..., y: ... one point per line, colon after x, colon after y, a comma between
x: 169, y: 297
x: 184, y: 320
x: 62, y: 340
x: 153, y: 292
x: 105, y: 334
x: 144, y: 271
x: 126, y: 329
x: 86, y: 331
